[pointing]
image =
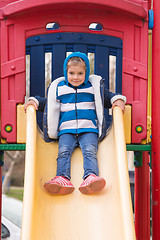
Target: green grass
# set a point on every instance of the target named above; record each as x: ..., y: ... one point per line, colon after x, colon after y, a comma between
x: 16, y: 193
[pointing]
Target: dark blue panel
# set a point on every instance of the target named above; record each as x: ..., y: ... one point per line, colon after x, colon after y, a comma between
x: 102, y: 69
x: 58, y: 57
x: 113, y: 51
x: 69, y: 47
x: 91, y: 48
x: 119, y: 71
x: 102, y: 63
x: 28, y: 50
x: 80, y: 48
x: 77, y: 38
x: 60, y: 43
x: 37, y: 71
x: 37, y: 76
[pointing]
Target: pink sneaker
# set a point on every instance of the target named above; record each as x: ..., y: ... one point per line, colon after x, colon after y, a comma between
x: 92, y: 184
x: 59, y: 186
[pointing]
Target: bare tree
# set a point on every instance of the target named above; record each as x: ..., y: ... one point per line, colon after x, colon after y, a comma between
x: 14, y: 159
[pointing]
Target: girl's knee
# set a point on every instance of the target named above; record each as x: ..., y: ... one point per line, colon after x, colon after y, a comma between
x: 64, y: 151
x: 90, y: 149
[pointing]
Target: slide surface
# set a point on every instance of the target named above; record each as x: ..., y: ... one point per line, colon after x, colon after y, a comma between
x: 101, y: 216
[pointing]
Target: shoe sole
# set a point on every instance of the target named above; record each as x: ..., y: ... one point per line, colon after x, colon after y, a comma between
x: 55, y: 189
x: 93, y: 187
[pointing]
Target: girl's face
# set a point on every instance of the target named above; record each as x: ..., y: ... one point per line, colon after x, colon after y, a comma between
x: 76, y: 74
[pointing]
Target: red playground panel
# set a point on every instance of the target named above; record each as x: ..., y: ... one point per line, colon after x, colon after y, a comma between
x: 127, y: 20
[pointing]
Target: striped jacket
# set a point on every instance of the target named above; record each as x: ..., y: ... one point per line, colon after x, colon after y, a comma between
x: 69, y: 110
x: 77, y: 108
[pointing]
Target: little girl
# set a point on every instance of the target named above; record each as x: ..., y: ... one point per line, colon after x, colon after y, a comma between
x: 75, y: 116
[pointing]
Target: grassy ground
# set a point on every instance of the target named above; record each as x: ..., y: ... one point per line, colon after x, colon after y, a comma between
x: 16, y: 193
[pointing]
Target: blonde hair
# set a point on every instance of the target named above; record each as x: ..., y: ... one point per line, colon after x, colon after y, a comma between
x: 73, y: 61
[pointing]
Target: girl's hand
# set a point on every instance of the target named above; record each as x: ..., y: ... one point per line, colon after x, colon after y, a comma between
x: 120, y: 103
x: 30, y: 102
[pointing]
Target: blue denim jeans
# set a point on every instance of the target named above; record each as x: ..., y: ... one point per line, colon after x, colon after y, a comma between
x: 88, y: 142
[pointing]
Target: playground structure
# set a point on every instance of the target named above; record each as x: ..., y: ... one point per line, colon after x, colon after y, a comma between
x: 34, y: 28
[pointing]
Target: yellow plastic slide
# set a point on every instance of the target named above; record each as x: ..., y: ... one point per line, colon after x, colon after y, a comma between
x: 103, y: 216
